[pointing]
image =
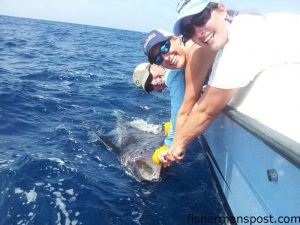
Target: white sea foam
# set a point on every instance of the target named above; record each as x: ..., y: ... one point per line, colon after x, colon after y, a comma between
x: 61, y: 162
x: 58, y: 219
x: 57, y: 194
x: 62, y: 208
x: 18, y: 191
x: 146, y: 127
x: 138, y: 216
x: 31, y: 195
x: 98, y: 158
x: 60, y: 127
x: 51, y: 189
x: 3, y: 161
x: 73, y: 199
x: 74, y: 222
x: 59, y: 203
x: 70, y: 191
x: 39, y: 184
x: 145, y: 107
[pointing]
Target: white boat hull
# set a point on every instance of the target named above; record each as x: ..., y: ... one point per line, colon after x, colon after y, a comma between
x: 256, y: 155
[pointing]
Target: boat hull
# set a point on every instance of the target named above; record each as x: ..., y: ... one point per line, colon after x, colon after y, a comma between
x: 256, y: 179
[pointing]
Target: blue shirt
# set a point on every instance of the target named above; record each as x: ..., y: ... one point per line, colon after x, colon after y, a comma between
x: 176, y: 84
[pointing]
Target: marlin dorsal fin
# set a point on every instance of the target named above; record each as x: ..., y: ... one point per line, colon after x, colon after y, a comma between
x: 108, y: 143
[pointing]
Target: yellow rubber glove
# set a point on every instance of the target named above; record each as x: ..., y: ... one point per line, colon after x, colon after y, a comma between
x: 157, y: 152
x: 167, y: 127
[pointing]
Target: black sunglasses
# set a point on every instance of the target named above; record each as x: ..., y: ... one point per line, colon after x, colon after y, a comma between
x: 164, y: 49
x: 198, y: 20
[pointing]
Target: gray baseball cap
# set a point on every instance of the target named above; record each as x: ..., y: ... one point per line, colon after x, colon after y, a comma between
x: 141, y: 74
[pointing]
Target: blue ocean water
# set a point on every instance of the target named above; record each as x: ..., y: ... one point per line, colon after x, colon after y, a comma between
x: 57, y: 79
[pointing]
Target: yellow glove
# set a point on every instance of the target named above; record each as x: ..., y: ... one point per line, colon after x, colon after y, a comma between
x: 157, y: 152
x: 167, y: 127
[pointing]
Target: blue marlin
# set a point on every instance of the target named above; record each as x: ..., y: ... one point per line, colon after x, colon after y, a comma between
x: 135, y: 151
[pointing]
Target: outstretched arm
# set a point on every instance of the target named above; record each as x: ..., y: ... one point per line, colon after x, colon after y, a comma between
x: 203, y: 113
x: 199, y: 62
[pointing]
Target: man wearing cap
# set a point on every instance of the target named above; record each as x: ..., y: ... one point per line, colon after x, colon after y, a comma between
x: 247, y: 43
x: 152, y: 77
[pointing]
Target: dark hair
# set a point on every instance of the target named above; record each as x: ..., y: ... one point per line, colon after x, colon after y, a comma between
x: 212, y: 5
x: 148, y: 85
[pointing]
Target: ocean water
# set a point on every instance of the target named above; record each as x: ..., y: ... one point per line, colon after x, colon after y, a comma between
x: 57, y: 80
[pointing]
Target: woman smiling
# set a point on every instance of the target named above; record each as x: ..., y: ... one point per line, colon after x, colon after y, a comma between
x: 163, y: 48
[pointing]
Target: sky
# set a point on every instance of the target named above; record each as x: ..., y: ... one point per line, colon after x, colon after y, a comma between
x: 136, y: 15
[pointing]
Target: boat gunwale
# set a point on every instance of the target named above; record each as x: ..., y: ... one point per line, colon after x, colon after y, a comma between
x: 286, y: 147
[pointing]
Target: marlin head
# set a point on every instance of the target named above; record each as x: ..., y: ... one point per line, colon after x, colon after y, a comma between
x: 144, y: 168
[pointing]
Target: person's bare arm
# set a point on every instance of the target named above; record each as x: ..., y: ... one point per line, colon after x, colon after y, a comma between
x: 203, y: 113
x: 199, y: 62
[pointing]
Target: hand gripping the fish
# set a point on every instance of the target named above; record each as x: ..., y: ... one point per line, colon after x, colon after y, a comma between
x: 159, y: 155
x: 175, y: 153
x: 165, y: 156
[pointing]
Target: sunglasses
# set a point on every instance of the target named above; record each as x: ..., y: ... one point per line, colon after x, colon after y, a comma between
x: 200, y: 19
x: 148, y: 85
x: 164, y: 49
